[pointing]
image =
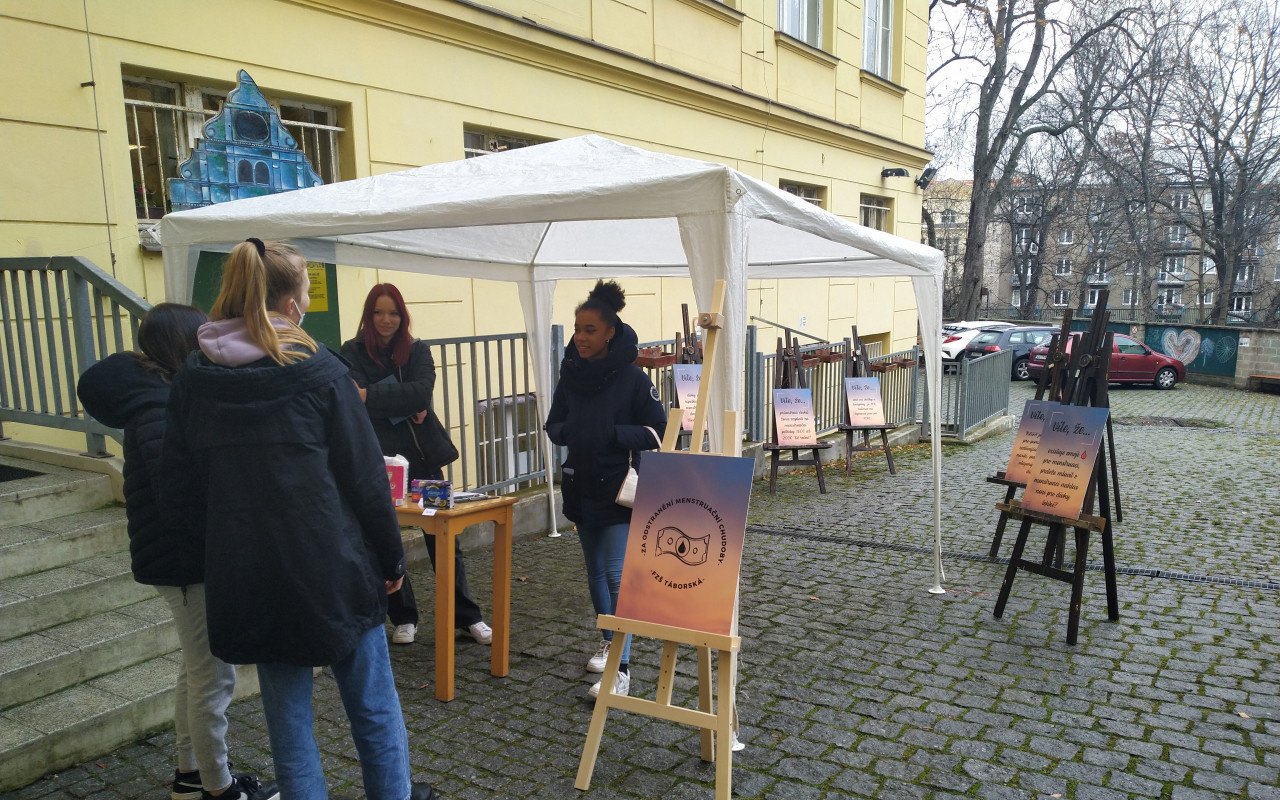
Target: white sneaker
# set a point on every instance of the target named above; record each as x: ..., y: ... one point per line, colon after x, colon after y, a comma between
x: 596, y: 662
x: 404, y: 634
x: 621, y: 685
x: 481, y: 632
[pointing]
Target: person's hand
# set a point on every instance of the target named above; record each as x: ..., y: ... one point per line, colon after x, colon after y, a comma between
x: 394, y: 586
x: 364, y: 393
x: 419, y: 417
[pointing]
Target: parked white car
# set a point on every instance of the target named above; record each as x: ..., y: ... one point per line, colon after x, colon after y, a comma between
x: 956, y: 335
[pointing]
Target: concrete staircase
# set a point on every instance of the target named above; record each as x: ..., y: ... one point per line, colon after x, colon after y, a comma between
x: 88, y: 657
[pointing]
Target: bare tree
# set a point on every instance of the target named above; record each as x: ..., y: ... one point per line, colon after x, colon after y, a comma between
x: 1018, y: 50
x: 1223, y: 140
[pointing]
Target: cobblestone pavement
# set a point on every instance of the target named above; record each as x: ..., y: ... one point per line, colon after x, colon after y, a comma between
x: 856, y: 682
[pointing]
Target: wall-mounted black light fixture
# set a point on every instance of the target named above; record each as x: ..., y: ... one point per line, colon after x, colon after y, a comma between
x: 926, y: 177
x: 894, y: 172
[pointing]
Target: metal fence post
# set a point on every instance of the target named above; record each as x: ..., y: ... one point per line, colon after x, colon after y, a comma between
x: 86, y: 354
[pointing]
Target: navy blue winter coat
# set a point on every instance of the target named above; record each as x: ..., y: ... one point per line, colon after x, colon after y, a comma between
x: 120, y: 392
x: 599, y: 412
x: 278, y: 468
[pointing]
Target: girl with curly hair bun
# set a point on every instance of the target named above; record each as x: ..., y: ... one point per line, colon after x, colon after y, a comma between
x: 605, y: 411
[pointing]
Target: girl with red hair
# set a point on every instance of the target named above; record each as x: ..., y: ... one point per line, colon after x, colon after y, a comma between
x: 396, y: 377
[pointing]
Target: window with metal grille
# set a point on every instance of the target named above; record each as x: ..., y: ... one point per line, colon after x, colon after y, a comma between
x: 479, y: 142
x: 805, y: 191
x: 165, y: 119
x: 801, y: 19
x: 874, y: 212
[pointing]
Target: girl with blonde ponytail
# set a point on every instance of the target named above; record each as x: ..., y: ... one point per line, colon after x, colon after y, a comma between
x: 265, y: 281
x: 270, y: 457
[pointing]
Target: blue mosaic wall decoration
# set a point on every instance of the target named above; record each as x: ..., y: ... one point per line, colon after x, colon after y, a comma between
x: 245, y: 152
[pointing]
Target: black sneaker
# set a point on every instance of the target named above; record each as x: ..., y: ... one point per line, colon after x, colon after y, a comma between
x: 186, y: 786
x: 422, y: 791
x: 246, y: 787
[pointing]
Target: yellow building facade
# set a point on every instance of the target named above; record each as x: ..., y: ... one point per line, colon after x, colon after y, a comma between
x: 100, y: 100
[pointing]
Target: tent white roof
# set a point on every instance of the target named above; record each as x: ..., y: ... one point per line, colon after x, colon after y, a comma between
x: 579, y: 208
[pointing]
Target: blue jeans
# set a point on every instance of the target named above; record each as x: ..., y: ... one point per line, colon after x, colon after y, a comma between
x: 603, y: 549
x: 369, y: 695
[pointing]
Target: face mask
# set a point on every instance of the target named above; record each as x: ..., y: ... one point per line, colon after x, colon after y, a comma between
x: 301, y: 314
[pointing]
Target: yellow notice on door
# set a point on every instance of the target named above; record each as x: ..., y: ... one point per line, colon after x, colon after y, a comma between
x: 319, y: 289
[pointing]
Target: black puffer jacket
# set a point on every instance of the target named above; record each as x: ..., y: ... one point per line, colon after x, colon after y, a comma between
x: 599, y: 411
x: 425, y: 444
x: 121, y: 393
x: 279, y: 467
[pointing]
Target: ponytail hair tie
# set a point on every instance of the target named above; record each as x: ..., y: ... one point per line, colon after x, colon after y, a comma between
x: 256, y: 242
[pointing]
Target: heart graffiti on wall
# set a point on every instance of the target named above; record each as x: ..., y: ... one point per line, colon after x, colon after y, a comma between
x: 1183, y: 346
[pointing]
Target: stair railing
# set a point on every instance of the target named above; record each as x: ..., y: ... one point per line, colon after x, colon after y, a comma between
x: 59, y: 316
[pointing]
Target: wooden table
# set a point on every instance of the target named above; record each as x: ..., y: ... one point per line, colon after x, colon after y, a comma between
x: 445, y: 527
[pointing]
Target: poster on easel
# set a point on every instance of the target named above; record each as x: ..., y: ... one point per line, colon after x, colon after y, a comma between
x: 1064, y: 461
x: 793, y: 416
x: 1027, y: 441
x: 687, y: 377
x: 866, y: 406
x: 684, y: 546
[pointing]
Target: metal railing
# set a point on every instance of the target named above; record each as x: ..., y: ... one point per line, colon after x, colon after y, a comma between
x: 485, y: 398
x: 977, y: 391
x: 60, y: 316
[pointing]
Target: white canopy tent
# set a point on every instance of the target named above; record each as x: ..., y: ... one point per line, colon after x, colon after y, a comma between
x: 580, y: 208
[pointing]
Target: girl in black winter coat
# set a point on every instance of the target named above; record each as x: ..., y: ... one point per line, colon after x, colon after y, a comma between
x: 605, y: 410
x: 271, y: 457
x: 396, y: 377
x: 129, y: 391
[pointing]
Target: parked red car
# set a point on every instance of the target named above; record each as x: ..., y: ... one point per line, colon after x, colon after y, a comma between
x: 1131, y: 362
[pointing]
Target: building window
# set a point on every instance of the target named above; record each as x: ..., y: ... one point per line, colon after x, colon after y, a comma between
x: 874, y: 212
x: 1175, y: 264
x: 1136, y: 206
x: 1128, y: 297
x: 1245, y: 272
x: 1175, y: 234
x: 877, y: 38
x: 478, y: 142
x: 949, y: 216
x: 801, y: 19
x: 1180, y: 201
x: 1207, y: 298
x: 1168, y: 297
x: 1241, y: 302
x: 805, y: 191
x: 1208, y: 266
x: 1091, y: 299
x: 1131, y: 266
x: 1062, y: 297
x: 165, y: 119
x: 1066, y: 236
x: 1063, y: 267
x: 1024, y: 236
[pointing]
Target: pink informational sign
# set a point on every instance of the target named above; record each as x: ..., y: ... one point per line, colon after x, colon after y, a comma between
x: 687, y: 377
x: 866, y: 407
x: 684, y: 546
x: 793, y: 414
x: 1023, y: 457
x: 1064, y: 461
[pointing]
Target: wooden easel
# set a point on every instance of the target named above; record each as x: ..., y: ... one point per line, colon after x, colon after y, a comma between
x: 1080, y: 379
x: 857, y: 365
x: 717, y: 721
x: 790, y: 375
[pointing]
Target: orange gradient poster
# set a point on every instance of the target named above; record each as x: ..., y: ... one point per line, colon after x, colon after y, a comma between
x: 1064, y: 461
x: 684, y: 547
